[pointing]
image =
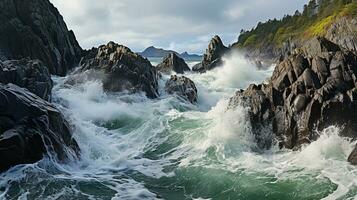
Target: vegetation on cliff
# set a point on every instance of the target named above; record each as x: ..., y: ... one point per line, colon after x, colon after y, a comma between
x: 316, y: 18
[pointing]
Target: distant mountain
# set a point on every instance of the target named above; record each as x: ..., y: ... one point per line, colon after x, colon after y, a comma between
x: 187, y: 55
x: 159, y: 53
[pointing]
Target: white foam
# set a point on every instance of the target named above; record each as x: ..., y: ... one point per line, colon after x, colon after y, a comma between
x: 207, y: 128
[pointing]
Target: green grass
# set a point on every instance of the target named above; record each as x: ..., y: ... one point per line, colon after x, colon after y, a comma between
x: 319, y: 28
x: 251, y: 40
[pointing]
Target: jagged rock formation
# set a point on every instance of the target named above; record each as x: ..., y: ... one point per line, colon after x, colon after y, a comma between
x: 122, y: 69
x: 213, y: 56
x: 30, y: 74
x: 173, y: 63
x: 182, y: 87
x: 35, y: 29
x: 31, y: 128
x: 314, y: 88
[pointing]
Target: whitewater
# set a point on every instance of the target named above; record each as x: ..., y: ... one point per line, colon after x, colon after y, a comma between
x: 133, y: 147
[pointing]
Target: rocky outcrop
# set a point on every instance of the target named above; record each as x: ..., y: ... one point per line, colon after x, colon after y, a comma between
x: 182, y: 87
x: 344, y: 33
x: 31, y: 128
x: 173, y: 63
x: 35, y: 29
x: 122, y: 69
x: 30, y: 74
x: 213, y: 56
x: 314, y: 88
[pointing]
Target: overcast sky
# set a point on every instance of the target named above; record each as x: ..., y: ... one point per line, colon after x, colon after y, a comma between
x: 181, y: 25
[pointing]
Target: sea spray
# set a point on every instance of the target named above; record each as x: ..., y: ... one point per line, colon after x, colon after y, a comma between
x: 139, y: 148
x: 222, y: 82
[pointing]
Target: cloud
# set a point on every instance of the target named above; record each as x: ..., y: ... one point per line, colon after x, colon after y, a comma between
x: 183, y: 25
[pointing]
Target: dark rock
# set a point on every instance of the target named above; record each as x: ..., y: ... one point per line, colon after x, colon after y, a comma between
x: 299, y: 103
x: 121, y: 69
x: 343, y: 32
x: 353, y: 157
x: 318, y: 46
x: 213, y: 56
x: 260, y: 110
x: 31, y: 128
x: 173, y: 63
x: 29, y: 74
x: 35, y: 29
x: 318, y: 65
x: 183, y: 87
x: 312, y: 90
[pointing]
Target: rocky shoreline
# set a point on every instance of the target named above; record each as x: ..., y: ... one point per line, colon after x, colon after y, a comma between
x: 312, y: 87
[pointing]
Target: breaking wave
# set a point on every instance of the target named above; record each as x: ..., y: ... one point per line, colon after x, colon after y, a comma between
x: 138, y: 148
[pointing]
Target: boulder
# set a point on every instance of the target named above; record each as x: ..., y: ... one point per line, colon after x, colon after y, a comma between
x: 30, y: 74
x: 36, y: 29
x: 213, y: 56
x: 121, y: 69
x: 182, y: 87
x: 308, y: 91
x: 31, y: 128
x: 173, y: 63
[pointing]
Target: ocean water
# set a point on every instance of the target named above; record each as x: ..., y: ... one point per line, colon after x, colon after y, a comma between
x: 138, y: 148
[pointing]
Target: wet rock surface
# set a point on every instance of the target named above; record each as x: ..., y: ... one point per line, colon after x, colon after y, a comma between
x: 213, y: 56
x: 30, y: 74
x: 31, y: 128
x: 309, y: 90
x: 182, y: 87
x: 35, y: 29
x: 122, y: 69
x: 173, y: 63
x: 352, y: 158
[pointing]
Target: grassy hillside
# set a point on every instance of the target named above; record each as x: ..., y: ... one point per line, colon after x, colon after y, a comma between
x: 313, y: 21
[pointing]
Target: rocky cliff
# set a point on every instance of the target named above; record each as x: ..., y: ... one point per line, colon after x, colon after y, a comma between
x: 35, y: 29
x: 30, y: 74
x: 343, y: 32
x: 309, y: 90
x: 34, y: 42
x: 276, y: 39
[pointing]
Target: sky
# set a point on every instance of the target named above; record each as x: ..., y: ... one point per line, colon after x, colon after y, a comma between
x: 180, y: 25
